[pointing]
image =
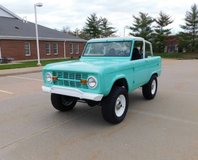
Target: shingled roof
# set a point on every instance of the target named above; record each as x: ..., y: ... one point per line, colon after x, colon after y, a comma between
x: 13, y: 27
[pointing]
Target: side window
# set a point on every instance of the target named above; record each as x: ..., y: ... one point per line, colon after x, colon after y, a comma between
x: 71, y: 48
x: 77, y: 49
x: 47, y: 48
x: 147, y: 50
x: 55, y: 48
x: 137, y: 50
x: 27, y: 49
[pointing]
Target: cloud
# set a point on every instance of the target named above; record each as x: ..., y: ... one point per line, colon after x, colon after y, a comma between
x: 56, y: 14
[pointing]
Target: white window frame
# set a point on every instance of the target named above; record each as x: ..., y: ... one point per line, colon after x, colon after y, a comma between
x: 49, y: 48
x: 27, y: 48
x: 55, y: 48
x: 77, y: 48
x: 71, y: 48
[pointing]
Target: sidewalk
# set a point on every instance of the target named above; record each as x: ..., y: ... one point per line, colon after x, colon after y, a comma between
x: 9, y: 72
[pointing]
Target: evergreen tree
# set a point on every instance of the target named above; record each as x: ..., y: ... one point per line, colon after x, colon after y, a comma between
x: 84, y: 35
x: 161, y: 32
x: 184, y: 42
x: 142, y: 26
x: 106, y: 29
x: 92, y: 27
x: 191, y: 29
x: 96, y: 27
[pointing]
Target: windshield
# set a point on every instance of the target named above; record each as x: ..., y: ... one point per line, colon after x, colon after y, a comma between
x: 121, y: 49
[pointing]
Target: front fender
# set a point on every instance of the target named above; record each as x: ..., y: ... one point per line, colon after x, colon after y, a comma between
x: 110, y: 81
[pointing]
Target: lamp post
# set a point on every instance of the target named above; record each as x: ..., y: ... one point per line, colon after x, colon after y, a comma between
x: 36, y: 29
x: 0, y: 53
x: 126, y: 27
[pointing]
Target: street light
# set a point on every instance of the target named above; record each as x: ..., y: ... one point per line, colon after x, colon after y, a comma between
x: 0, y: 53
x: 36, y: 29
x: 126, y: 27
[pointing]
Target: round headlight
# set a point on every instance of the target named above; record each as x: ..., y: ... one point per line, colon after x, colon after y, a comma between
x: 49, y: 77
x: 92, y: 82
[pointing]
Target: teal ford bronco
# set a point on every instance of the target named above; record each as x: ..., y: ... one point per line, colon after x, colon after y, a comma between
x: 107, y: 71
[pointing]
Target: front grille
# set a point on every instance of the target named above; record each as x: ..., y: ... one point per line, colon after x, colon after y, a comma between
x: 69, y: 79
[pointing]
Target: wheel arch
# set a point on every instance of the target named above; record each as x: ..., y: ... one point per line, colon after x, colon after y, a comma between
x: 155, y: 74
x: 121, y: 82
x: 149, y: 77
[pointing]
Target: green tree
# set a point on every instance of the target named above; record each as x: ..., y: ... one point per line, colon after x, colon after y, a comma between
x: 142, y: 26
x: 83, y: 34
x: 96, y: 27
x: 106, y: 29
x: 191, y: 29
x: 92, y: 27
x: 161, y: 31
x: 184, y: 39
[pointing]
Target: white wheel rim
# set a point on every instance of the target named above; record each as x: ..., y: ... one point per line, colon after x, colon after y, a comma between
x: 120, y: 105
x: 153, y: 87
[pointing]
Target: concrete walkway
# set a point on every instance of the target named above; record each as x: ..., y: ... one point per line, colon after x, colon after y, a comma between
x: 8, y: 72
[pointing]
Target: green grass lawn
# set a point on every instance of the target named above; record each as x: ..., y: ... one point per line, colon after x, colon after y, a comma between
x: 178, y: 55
x: 25, y: 64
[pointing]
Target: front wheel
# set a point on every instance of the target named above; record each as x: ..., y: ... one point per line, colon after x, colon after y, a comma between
x: 149, y: 90
x: 63, y: 103
x: 115, y: 105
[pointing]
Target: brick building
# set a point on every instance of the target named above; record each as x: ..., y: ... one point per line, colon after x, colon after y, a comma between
x: 18, y: 40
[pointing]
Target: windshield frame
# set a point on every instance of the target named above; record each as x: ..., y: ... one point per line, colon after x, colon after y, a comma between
x: 102, y: 55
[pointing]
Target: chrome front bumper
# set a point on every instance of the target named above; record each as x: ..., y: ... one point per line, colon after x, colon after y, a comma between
x: 73, y: 92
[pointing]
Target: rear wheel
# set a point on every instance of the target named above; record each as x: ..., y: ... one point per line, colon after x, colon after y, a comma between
x: 63, y: 103
x: 149, y: 90
x: 115, y: 105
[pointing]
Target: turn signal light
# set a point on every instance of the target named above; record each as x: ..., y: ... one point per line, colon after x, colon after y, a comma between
x: 54, y: 78
x: 83, y: 81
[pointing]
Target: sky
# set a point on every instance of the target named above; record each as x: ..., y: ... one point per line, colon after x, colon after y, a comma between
x: 57, y: 14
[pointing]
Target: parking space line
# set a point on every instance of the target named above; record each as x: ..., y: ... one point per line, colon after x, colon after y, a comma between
x: 7, y: 92
x: 26, y: 78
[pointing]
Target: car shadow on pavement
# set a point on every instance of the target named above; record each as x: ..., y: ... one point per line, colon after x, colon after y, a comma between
x: 84, y: 115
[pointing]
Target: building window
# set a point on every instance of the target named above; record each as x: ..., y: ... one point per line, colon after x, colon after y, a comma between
x: 71, y: 48
x: 77, y: 48
x: 55, y: 48
x: 47, y: 48
x: 27, y: 49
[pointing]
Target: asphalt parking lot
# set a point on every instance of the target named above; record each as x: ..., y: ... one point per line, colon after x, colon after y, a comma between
x: 165, y: 128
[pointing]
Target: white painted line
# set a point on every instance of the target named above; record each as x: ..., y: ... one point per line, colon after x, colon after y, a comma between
x: 26, y: 78
x: 7, y: 92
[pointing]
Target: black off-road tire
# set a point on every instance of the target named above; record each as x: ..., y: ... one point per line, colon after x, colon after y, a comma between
x: 149, y: 90
x: 63, y: 103
x: 108, y: 104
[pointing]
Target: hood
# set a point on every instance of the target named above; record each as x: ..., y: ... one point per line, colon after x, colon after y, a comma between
x: 82, y: 65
